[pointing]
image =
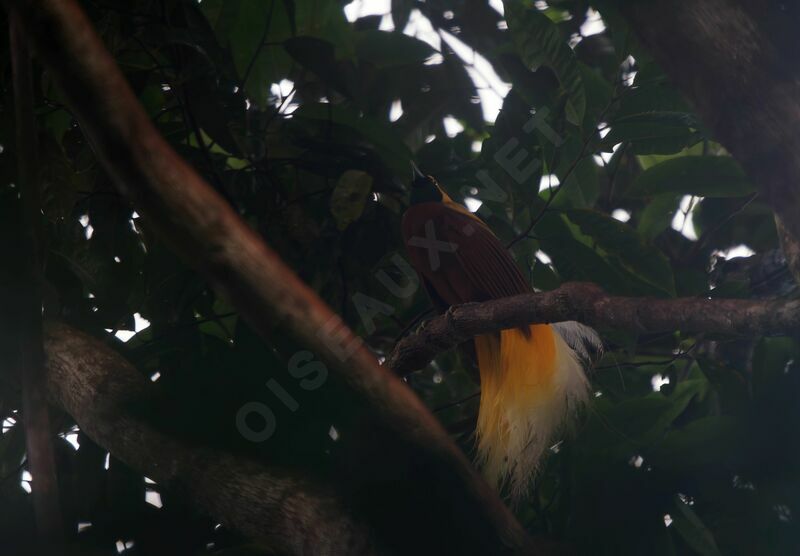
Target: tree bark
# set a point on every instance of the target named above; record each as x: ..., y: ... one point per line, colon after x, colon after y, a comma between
x: 197, y: 223
x: 589, y: 304
x: 791, y: 249
x: 735, y: 60
x: 283, y: 511
x: 25, y: 319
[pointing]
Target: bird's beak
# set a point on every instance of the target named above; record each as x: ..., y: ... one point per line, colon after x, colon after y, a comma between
x: 415, y: 172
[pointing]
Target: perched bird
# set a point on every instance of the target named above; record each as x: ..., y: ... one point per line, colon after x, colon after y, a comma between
x: 532, y: 378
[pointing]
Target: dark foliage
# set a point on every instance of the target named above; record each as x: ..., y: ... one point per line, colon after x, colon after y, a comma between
x: 690, y: 444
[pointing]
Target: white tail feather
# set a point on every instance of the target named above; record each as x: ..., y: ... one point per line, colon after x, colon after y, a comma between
x: 581, y: 338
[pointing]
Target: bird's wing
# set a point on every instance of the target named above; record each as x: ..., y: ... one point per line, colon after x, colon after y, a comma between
x: 485, y: 262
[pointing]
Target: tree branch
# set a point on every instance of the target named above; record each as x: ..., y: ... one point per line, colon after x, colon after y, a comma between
x: 589, y: 304
x: 198, y: 225
x: 288, y: 514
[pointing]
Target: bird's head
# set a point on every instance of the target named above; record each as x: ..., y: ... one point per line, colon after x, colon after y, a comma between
x: 425, y: 189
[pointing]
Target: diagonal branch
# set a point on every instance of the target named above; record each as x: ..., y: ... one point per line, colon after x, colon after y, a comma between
x: 198, y: 225
x: 281, y: 510
x: 589, y: 304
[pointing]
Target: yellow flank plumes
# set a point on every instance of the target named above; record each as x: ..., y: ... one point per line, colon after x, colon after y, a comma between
x: 530, y: 384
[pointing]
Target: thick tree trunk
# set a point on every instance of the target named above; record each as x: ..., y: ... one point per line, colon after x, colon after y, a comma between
x: 735, y: 60
x: 25, y: 317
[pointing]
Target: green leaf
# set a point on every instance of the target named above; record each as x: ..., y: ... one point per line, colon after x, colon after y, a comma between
x: 657, y: 215
x: 705, y: 176
x: 576, y: 258
x: 388, y: 50
x: 619, y: 430
x: 622, y: 37
x: 319, y: 56
x: 244, y: 26
x: 653, y: 133
x: 326, y: 20
x: 705, y: 441
x: 654, y: 119
x: 576, y: 261
x: 772, y: 359
x: 383, y: 138
x: 581, y: 188
x: 538, y: 42
x: 599, y: 93
x: 350, y: 196
x: 623, y: 246
x: 58, y: 122
x: 692, y: 530
x: 647, y: 161
x: 222, y: 322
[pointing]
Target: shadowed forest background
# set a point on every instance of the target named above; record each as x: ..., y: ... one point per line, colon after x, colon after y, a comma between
x: 305, y: 116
